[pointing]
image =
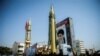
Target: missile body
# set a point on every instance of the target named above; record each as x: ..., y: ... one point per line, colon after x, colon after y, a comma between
x: 52, y: 31
x: 28, y: 34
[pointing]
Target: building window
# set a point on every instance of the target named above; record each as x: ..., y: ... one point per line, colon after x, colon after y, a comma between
x: 20, y: 46
x: 20, y: 51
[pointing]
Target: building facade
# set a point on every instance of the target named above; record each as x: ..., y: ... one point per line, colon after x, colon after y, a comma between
x: 65, y: 27
x: 80, y: 47
x: 18, y: 48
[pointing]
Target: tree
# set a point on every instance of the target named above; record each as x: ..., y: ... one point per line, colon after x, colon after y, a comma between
x: 5, y: 50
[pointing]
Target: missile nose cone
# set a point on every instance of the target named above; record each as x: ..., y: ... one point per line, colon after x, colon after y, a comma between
x: 52, y: 10
x: 28, y: 24
x: 29, y: 21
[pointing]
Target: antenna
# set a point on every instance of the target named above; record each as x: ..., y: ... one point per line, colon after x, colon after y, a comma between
x: 51, y: 2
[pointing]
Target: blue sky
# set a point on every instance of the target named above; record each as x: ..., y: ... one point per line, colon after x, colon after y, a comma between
x: 14, y: 14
